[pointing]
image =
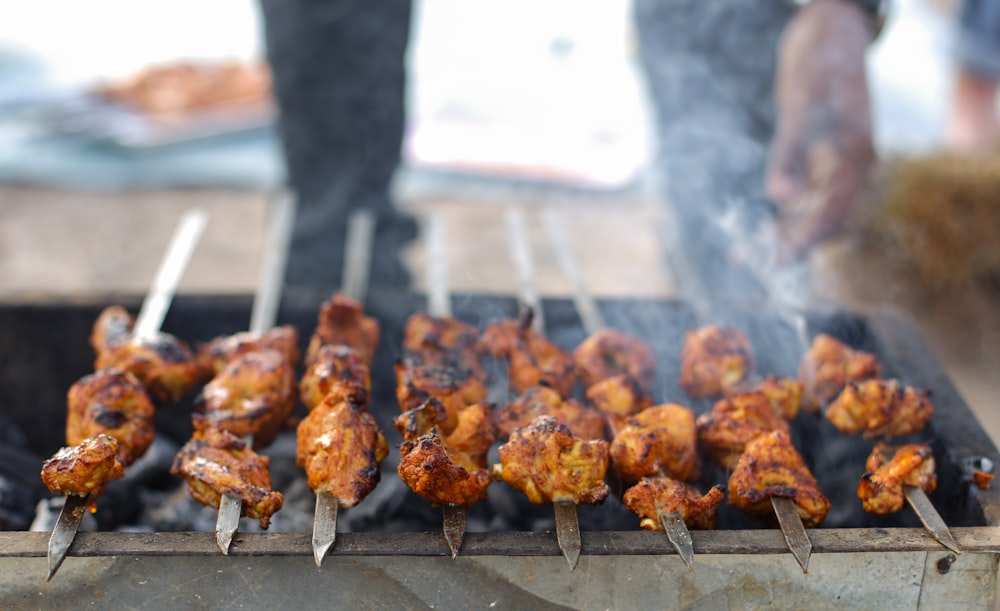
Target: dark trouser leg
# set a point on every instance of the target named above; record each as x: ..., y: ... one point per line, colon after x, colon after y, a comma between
x: 710, y: 71
x: 339, y: 80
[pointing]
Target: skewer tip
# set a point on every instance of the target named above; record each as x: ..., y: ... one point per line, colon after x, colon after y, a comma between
x: 679, y: 536
x: 793, y: 530
x: 568, y: 532
x: 324, y: 526
x: 64, y: 532
x: 228, y: 522
x: 454, y: 528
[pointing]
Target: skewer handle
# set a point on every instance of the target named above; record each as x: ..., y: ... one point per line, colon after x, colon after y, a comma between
x: 161, y: 294
x: 590, y: 314
x: 521, y: 256
x: 272, y: 271
x: 438, y: 301
x: 358, y: 252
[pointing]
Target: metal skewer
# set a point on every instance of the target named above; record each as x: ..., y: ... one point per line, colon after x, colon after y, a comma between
x: 151, y: 314
x: 439, y: 306
x: 357, y: 263
x: 593, y: 321
x: 262, y: 316
x: 930, y: 518
x: 793, y: 530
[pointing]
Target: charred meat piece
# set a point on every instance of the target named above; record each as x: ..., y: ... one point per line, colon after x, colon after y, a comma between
x: 880, y: 408
x: 341, y: 321
x: 440, y: 475
x: 583, y: 421
x: 609, y: 353
x: 340, y: 447
x: 548, y: 464
x: 889, y: 469
x: 213, y: 356
x: 164, y: 364
x: 771, y: 466
x: 655, y: 495
x: 474, y: 434
x: 619, y: 395
x: 533, y: 359
x: 252, y: 395
x: 661, y: 440
x: 714, y: 358
x: 112, y: 402
x: 725, y: 431
x: 828, y: 366
x: 455, y: 388
x: 84, y: 469
x: 333, y: 365
x: 216, y: 462
x: 444, y: 341
x: 784, y: 393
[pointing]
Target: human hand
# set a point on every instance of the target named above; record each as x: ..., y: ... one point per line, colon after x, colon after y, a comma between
x: 822, y: 151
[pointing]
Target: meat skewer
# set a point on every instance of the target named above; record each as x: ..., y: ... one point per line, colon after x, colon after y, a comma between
x: 263, y: 314
x: 151, y: 315
x: 593, y: 322
x: 360, y: 232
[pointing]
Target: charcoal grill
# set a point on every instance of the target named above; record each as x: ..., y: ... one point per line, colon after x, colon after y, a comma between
x: 401, y: 560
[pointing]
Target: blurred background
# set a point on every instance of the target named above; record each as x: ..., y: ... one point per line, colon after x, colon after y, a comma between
x: 116, y: 116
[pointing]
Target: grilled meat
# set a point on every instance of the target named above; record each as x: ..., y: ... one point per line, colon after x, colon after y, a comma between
x: 548, y: 464
x: 725, y: 431
x: 112, y: 402
x: 164, y: 364
x: 784, y: 393
x: 340, y: 447
x: 455, y: 388
x: 658, y: 441
x: 619, y: 395
x: 86, y: 468
x: 714, y: 358
x: 771, y: 466
x: 889, y: 469
x: 252, y: 395
x: 583, y: 421
x: 444, y: 342
x: 880, y: 408
x: 828, y: 366
x: 609, y: 353
x: 341, y: 321
x: 216, y: 354
x: 333, y: 365
x: 440, y: 475
x: 216, y: 462
x: 655, y: 495
x: 533, y: 359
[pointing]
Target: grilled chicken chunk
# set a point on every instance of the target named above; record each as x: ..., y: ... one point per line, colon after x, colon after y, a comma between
x: 658, y: 441
x: 610, y: 353
x: 880, y: 408
x: 584, y: 422
x: 619, y: 395
x: 340, y: 447
x: 771, y: 466
x: 714, y: 358
x: 252, y: 395
x: 445, y: 342
x: 112, y: 402
x: 455, y: 388
x: 549, y: 465
x: 725, y: 431
x: 84, y: 469
x: 164, y: 364
x: 655, y: 495
x: 889, y: 469
x: 216, y: 462
x: 440, y: 475
x: 533, y: 359
x: 216, y: 354
x: 333, y: 365
x: 341, y: 321
x: 785, y: 394
x: 828, y: 366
